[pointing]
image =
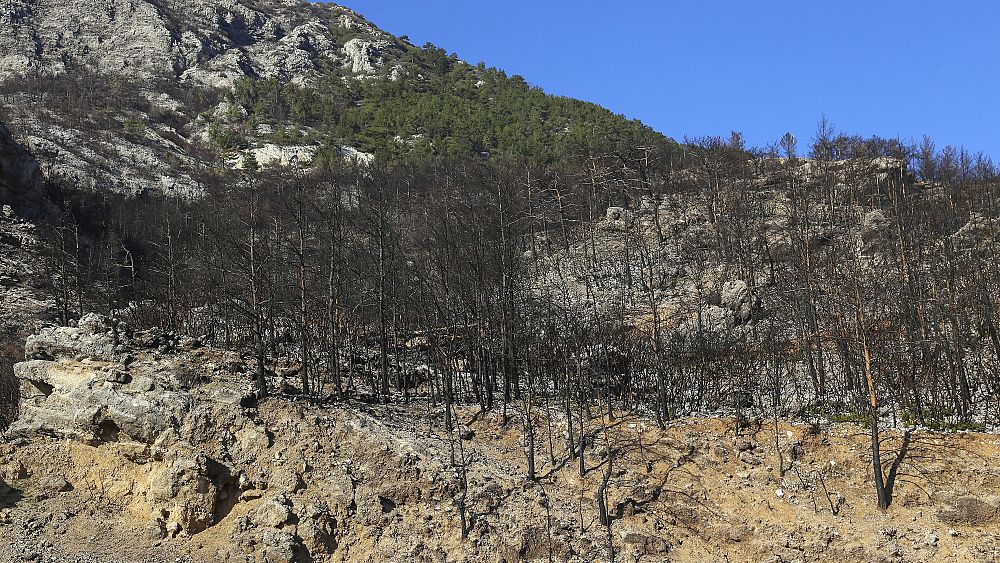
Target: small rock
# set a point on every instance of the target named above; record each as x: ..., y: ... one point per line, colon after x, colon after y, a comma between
x: 749, y: 459
x: 273, y: 513
x: 144, y: 384
x: 156, y: 530
x: 54, y: 484
x: 118, y: 376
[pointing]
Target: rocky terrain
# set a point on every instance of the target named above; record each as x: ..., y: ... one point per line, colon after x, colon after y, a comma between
x: 209, y: 43
x: 704, y: 289
x: 177, y: 59
x: 145, y: 446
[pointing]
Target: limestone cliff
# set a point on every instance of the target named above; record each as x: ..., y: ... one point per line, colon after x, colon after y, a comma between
x: 204, y: 41
x: 112, y: 95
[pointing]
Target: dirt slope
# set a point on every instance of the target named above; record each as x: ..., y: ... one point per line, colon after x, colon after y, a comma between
x: 217, y: 478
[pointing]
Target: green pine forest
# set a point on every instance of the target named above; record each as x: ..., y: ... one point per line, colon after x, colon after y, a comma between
x: 433, y: 107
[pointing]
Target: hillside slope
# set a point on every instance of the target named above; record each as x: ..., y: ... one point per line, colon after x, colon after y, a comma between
x: 143, y: 447
x: 141, y: 97
x: 412, y: 309
x: 209, y: 42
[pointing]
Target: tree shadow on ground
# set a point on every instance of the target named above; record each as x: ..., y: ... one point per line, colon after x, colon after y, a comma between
x: 9, y: 496
x: 897, y: 462
x: 916, y: 456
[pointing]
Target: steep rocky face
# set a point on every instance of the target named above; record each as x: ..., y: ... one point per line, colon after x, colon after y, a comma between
x: 209, y: 42
x: 110, y: 94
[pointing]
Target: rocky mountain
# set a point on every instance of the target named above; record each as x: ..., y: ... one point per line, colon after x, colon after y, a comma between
x: 281, y: 287
x: 209, y: 43
x: 144, y: 96
x: 134, y: 77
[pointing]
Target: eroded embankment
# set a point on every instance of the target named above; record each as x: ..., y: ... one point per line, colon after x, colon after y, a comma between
x: 149, y: 447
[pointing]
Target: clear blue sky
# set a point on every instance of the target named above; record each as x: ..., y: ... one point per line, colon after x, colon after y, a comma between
x: 889, y: 68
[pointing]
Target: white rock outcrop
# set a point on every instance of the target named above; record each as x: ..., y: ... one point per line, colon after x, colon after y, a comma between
x: 271, y: 155
x: 211, y: 42
x: 153, y: 137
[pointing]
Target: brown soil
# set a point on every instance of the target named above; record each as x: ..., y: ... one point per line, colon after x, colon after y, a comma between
x: 693, y: 492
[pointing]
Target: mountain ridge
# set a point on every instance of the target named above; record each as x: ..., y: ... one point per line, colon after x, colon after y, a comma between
x: 137, y: 97
x: 206, y: 42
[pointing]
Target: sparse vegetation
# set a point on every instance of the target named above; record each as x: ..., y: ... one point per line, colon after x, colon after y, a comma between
x: 509, y: 266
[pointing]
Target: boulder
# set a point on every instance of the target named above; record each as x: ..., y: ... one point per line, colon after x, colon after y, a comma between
x: 617, y: 214
x: 714, y: 319
x: 278, y: 546
x: 977, y: 230
x: 54, y: 484
x: 81, y: 403
x: 184, y: 492
x: 736, y: 297
x: 273, y: 513
x: 317, y: 528
x: 874, y: 226
x: 92, y: 337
